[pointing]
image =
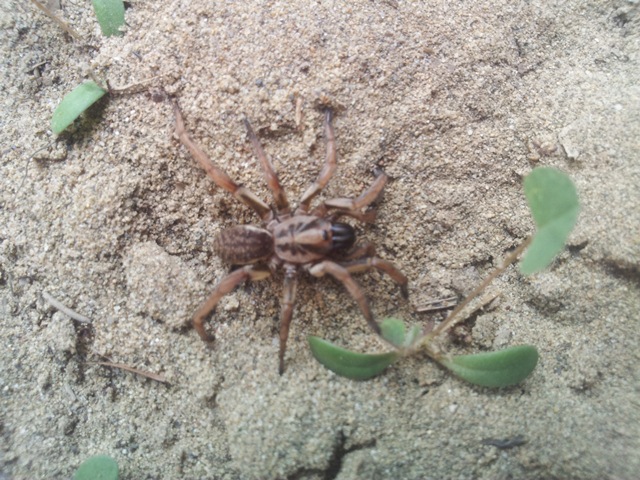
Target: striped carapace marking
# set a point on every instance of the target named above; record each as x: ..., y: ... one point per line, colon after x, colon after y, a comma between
x: 302, y: 239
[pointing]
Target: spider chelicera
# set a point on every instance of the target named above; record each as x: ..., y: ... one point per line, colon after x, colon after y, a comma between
x: 303, y: 238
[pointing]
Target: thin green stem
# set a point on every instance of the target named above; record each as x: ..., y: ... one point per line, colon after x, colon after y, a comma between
x: 451, y: 320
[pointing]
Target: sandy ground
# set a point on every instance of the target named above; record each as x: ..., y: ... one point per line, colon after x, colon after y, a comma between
x: 456, y: 100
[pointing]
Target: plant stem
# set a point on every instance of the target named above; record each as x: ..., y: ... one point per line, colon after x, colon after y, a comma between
x: 451, y: 320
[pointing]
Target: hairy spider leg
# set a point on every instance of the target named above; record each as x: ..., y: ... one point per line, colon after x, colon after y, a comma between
x: 216, y: 174
x: 341, y: 274
x: 286, y: 313
x: 366, y: 264
x: 328, y: 169
x: 353, y: 206
x: 226, y: 285
x: 279, y: 195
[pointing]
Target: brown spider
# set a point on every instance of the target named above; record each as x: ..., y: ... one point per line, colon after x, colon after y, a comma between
x: 304, y: 238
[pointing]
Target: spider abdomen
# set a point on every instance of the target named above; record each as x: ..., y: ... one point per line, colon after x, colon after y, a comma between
x: 244, y: 245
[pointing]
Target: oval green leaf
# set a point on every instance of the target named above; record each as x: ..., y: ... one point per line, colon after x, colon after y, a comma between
x: 354, y: 365
x: 110, y: 15
x: 495, y: 369
x: 74, y: 103
x: 554, y: 205
x: 393, y: 331
x: 413, y: 336
x: 99, y: 467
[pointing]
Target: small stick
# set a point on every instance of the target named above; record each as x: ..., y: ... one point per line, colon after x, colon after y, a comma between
x: 66, y: 310
x: 505, y: 443
x: 31, y: 69
x: 144, y: 373
x: 437, y: 305
x: 62, y: 24
x: 123, y: 90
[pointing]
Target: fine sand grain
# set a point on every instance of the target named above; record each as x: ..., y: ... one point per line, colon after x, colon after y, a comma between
x: 456, y: 100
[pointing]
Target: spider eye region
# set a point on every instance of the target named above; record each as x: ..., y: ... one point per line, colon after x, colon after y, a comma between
x: 343, y: 236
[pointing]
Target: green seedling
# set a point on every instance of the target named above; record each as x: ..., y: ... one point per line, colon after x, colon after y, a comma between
x: 98, y: 467
x: 554, y: 205
x: 494, y: 369
x: 354, y: 365
x: 110, y: 15
x: 83, y: 96
x: 74, y: 104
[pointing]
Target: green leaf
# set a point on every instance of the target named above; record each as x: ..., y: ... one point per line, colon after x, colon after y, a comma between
x: 354, y: 365
x: 413, y: 336
x: 554, y: 205
x: 495, y: 369
x: 393, y: 331
x: 110, y: 15
x: 99, y: 467
x: 74, y: 103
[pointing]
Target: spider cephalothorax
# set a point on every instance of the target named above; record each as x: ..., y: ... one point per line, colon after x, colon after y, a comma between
x: 308, y: 238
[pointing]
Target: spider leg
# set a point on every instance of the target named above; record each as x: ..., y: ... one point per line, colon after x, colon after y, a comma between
x: 226, y: 285
x: 365, y: 264
x: 279, y: 195
x: 219, y: 177
x: 328, y: 169
x: 288, y: 303
x: 365, y: 249
x: 353, y: 206
x: 341, y: 274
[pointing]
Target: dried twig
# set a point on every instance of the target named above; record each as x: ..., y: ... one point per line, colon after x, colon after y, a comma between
x: 505, y: 443
x: 144, y: 373
x: 437, y: 305
x: 66, y: 310
x: 62, y: 24
x: 131, y: 86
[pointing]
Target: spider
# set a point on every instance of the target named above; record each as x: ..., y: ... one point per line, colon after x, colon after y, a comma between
x: 303, y: 238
